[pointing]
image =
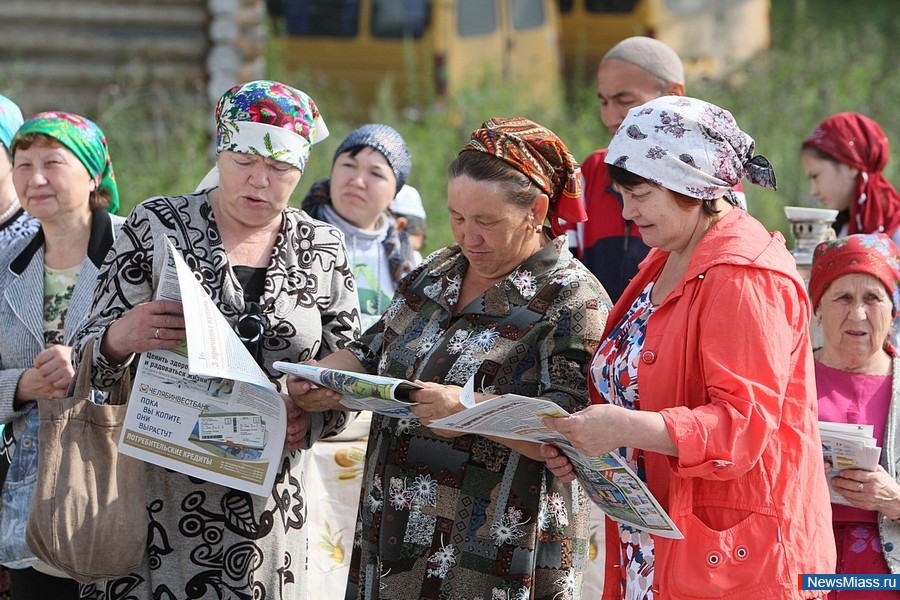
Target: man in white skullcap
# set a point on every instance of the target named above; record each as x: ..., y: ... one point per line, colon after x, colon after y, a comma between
x: 633, y: 72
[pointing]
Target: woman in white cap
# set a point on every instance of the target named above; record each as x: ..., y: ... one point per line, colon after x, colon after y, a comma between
x: 283, y: 281
x: 704, y: 376
x: 370, y: 167
x: 409, y: 212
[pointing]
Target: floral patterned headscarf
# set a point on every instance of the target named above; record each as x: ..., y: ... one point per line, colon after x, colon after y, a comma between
x: 688, y: 146
x: 269, y: 119
x: 859, y: 142
x: 10, y: 120
x: 81, y: 137
x: 540, y: 155
x: 872, y: 254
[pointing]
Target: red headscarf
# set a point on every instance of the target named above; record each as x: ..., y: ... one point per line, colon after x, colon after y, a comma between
x: 540, y: 155
x: 873, y: 254
x: 859, y: 142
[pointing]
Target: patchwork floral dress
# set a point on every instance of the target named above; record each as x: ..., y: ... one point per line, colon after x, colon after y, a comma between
x: 614, y: 374
x: 466, y: 517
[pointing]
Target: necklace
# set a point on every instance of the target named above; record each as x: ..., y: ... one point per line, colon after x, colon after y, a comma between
x: 9, y: 211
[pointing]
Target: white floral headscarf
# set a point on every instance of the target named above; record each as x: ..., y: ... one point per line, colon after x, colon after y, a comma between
x: 266, y: 118
x: 689, y: 146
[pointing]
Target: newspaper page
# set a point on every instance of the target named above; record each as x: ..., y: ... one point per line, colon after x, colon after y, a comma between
x: 847, y: 446
x: 202, y: 409
x: 385, y: 395
x: 607, y: 479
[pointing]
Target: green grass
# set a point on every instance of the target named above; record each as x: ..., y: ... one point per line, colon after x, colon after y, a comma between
x: 827, y: 56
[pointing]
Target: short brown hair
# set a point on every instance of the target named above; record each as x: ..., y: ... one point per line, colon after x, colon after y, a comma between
x: 98, y: 198
x: 479, y: 166
x: 628, y: 180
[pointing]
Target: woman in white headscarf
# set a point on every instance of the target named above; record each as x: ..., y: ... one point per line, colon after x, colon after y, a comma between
x: 704, y: 378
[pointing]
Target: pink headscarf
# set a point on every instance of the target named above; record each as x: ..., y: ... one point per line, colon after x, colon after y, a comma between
x: 859, y: 142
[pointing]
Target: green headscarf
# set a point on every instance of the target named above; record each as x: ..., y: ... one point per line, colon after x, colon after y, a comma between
x: 81, y: 137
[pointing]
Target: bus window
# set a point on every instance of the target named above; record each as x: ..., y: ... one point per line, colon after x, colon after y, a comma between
x: 610, y: 6
x: 527, y: 14
x: 565, y: 6
x: 686, y: 7
x: 322, y: 18
x: 399, y: 18
x: 476, y: 17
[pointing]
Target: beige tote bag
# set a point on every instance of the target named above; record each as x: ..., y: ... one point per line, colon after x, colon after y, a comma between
x: 88, y: 514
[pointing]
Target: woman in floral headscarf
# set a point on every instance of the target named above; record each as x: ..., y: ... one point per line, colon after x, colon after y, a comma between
x: 283, y: 281
x: 507, y: 305
x: 843, y: 158
x: 855, y: 291
x: 703, y: 381
x: 63, y: 176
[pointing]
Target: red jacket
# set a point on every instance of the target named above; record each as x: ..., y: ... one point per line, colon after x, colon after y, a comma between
x: 728, y: 363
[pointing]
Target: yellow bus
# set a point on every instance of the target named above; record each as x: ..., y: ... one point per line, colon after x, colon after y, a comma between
x: 427, y: 48
x: 709, y: 35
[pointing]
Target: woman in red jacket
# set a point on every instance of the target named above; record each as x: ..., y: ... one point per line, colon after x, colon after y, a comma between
x: 704, y: 381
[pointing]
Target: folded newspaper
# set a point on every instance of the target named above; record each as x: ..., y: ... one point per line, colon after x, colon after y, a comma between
x: 385, y: 395
x: 847, y: 446
x: 607, y: 479
x: 206, y: 408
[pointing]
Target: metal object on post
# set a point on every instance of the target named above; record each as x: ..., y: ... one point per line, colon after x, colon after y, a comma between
x: 809, y: 228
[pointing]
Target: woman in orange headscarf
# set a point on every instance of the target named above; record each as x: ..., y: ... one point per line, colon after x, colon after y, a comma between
x: 507, y: 305
x: 843, y: 158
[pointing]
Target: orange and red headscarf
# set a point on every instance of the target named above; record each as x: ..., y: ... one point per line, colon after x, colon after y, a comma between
x: 859, y: 142
x: 540, y: 155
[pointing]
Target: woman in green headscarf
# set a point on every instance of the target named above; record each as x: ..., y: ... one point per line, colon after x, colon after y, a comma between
x: 63, y: 176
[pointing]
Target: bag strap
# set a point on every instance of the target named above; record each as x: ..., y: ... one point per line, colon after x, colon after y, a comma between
x: 81, y: 384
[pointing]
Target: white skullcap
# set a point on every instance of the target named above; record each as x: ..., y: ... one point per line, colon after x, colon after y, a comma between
x: 651, y: 55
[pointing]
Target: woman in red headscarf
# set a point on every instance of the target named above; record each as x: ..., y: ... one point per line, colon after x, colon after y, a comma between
x: 843, y: 158
x: 855, y: 292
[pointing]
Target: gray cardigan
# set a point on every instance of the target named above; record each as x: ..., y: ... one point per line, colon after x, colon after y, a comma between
x: 22, y: 303
x: 889, y: 529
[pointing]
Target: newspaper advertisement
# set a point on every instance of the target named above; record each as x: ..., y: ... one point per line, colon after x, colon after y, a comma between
x: 847, y: 446
x: 607, y: 479
x: 385, y: 395
x: 205, y: 408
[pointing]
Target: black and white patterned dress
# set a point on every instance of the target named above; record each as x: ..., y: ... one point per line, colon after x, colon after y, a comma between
x: 206, y: 540
x: 18, y: 226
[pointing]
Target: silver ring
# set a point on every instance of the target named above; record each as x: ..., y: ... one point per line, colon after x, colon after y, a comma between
x: 157, y: 333
x: 859, y: 487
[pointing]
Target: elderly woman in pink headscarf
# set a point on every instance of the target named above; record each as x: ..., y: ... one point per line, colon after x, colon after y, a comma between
x: 843, y: 159
x: 283, y: 281
x: 703, y: 381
